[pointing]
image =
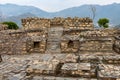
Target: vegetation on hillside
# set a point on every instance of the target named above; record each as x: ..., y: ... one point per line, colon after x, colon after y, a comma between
x: 103, y: 22
x: 11, y: 25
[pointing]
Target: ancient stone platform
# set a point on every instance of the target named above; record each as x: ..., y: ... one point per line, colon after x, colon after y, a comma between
x: 59, y: 67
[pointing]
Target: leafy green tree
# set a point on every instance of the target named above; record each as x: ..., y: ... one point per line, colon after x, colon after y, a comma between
x: 103, y: 22
x: 11, y: 25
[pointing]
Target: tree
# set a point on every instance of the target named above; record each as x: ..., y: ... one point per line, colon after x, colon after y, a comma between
x: 11, y: 25
x: 103, y: 22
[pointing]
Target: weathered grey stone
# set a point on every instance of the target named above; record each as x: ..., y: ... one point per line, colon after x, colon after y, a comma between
x: 1, y: 76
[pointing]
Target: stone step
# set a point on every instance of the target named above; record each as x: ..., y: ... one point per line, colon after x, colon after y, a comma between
x: 53, y: 40
x: 53, y: 52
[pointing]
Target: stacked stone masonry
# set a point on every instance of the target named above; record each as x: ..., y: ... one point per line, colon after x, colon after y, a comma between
x: 58, y: 49
x: 57, y: 35
x: 3, y: 27
x: 116, y: 46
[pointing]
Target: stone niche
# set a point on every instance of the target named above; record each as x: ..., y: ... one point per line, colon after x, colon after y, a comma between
x: 69, y: 46
x: 37, y: 47
x: 36, y: 44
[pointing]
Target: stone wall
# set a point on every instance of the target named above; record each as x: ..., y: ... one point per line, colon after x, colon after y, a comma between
x: 3, y: 27
x: 58, y: 35
x: 35, y: 23
x: 66, y: 23
x: 70, y: 46
x: 13, y: 42
x: 37, y: 41
x: 22, y: 41
x: 97, y: 40
x: 116, y: 45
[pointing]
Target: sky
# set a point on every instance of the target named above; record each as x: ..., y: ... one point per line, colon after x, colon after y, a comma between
x: 57, y: 5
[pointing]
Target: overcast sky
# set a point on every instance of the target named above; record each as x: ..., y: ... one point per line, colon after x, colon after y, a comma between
x: 56, y: 5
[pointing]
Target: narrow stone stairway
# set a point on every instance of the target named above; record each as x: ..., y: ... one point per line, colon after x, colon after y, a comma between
x: 54, y: 39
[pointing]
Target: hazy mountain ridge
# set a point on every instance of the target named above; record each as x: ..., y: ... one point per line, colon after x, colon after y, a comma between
x: 16, y: 12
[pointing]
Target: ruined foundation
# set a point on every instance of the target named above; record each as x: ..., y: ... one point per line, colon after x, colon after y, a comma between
x: 59, y: 49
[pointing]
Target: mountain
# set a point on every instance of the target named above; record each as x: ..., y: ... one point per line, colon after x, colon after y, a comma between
x: 16, y: 12
x: 117, y: 26
x: 111, y: 12
x: 17, y: 19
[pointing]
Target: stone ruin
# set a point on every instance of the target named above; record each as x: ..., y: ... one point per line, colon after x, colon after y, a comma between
x: 3, y: 27
x: 58, y: 35
x: 61, y: 48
